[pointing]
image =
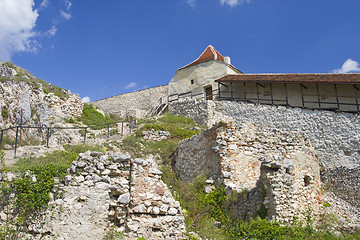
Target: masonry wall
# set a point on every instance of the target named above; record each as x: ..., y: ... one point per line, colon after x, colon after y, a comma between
x: 334, y: 135
x: 134, y: 103
x: 276, y: 169
x: 202, y: 75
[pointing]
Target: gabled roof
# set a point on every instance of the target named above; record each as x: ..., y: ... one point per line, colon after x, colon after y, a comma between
x: 334, y: 78
x: 209, y: 54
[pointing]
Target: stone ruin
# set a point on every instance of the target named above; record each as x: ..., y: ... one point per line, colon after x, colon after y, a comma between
x: 272, y: 169
x: 107, y: 191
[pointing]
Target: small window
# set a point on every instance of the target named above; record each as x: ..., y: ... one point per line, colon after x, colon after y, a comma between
x: 192, y: 81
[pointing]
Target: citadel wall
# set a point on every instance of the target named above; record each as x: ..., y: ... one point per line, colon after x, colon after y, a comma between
x: 136, y: 104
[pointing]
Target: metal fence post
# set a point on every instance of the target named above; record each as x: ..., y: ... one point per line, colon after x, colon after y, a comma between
x: 122, y: 128
x: 108, y: 136
x: 1, y: 137
x: 85, y: 135
x: 16, y: 139
x: 47, y: 137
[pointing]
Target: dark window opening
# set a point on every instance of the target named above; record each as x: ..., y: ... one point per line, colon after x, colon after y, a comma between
x: 192, y: 81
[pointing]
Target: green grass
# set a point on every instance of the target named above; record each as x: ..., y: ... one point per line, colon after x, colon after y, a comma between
x: 91, y: 116
x: 203, y: 209
x: 57, y: 159
x: 179, y: 127
x: 24, y: 76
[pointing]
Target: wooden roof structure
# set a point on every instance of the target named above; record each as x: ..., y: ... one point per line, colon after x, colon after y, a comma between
x: 325, y: 78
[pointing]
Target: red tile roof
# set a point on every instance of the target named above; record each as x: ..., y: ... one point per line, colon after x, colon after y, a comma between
x: 340, y: 78
x: 209, y: 54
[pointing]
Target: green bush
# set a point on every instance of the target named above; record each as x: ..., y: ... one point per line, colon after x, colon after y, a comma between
x: 4, y: 113
x: 91, y: 116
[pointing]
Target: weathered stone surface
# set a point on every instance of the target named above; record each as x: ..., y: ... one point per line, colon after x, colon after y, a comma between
x: 136, y: 201
x: 235, y: 154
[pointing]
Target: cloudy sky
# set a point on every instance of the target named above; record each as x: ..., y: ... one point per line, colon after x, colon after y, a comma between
x: 103, y: 48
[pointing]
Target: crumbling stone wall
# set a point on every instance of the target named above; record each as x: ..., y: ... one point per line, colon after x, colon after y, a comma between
x: 135, y: 104
x: 250, y: 158
x: 110, y: 189
x: 343, y: 182
x: 334, y: 135
x: 191, y: 159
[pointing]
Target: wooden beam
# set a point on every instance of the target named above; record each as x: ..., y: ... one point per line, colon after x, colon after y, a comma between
x: 257, y: 93
x: 356, y: 97
x: 303, y: 86
x: 337, y: 97
x: 302, y: 95
x: 286, y: 94
x: 231, y: 89
x: 222, y: 84
x: 271, y: 95
x: 244, y: 91
x: 318, y: 95
x: 219, y: 90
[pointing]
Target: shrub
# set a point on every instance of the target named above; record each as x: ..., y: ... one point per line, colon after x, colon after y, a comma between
x: 4, y: 113
x: 91, y: 116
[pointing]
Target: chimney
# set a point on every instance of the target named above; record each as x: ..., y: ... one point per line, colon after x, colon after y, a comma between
x: 227, y: 60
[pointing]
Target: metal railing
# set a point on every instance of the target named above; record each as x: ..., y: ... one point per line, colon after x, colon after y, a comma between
x: 19, y: 129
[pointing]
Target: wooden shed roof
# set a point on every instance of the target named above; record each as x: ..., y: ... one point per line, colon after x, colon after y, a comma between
x: 333, y: 78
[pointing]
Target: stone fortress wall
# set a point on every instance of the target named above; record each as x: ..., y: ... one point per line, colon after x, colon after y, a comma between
x: 135, y: 103
x: 278, y: 169
x: 334, y: 137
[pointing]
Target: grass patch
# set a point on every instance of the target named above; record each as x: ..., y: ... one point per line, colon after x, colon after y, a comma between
x: 179, y: 127
x: 24, y: 76
x: 91, y: 116
x: 57, y: 159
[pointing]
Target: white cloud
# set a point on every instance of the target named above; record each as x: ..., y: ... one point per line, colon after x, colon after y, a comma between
x: 191, y: 2
x: 85, y: 100
x: 130, y: 85
x: 17, y: 20
x: 51, y: 32
x: 68, y: 4
x: 65, y: 15
x: 44, y: 4
x: 234, y: 3
x: 348, y: 66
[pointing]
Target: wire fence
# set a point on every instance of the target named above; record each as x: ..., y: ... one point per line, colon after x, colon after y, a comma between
x: 45, y: 132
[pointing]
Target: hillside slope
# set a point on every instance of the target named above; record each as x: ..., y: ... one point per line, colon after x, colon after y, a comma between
x: 27, y: 100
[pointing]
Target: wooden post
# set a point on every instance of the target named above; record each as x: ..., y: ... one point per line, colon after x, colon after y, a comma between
x: 337, y: 97
x: 257, y: 93
x: 47, y: 137
x: 271, y: 95
x: 286, y: 95
x: 85, y: 135
x: 356, y: 98
x: 219, y: 90
x: 232, y: 91
x: 122, y: 128
x: 302, y: 95
x: 245, y: 92
x: 108, y: 128
x: 1, y: 137
x: 318, y: 95
x: 16, y: 140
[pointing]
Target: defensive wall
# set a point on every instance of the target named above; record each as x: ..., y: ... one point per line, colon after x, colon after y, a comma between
x: 135, y: 103
x: 335, y: 137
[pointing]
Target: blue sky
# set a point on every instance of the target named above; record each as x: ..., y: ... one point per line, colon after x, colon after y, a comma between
x: 103, y: 48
